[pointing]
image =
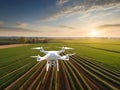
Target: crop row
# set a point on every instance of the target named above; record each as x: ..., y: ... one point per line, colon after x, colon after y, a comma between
x: 90, y: 81
x: 63, y: 83
x: 5, y: 81
x: 107, y: 81
x: 74, y: 76
x: 9, y: 61
x: 114, y: 51
x: 22, y: 80
x: 100, y: 68
x: 13, y: 67
x: 104, y: 67
x: 78, y: 73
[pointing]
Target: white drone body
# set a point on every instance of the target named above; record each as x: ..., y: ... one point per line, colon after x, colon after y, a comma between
x: 52, y: 57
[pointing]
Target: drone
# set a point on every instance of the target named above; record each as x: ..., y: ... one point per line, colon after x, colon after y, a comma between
x: 52, y: 57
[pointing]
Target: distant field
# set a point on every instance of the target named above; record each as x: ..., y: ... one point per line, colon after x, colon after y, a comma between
x: 96, y: 65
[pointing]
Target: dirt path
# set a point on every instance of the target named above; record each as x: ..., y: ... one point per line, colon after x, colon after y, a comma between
x: 13, y: 45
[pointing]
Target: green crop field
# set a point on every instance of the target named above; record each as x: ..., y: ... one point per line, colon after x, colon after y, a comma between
x: 96, y: 66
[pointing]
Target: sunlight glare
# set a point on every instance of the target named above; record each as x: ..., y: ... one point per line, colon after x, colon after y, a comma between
x: 93, y: 33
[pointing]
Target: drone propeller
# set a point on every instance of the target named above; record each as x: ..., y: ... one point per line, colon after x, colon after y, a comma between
x: 38, y: 48
x: 66, y: 47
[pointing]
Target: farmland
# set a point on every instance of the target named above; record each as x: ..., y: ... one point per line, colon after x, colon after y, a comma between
x: 96, y: 66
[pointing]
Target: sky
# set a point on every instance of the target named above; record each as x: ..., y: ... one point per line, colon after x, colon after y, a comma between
x: 60, y: 18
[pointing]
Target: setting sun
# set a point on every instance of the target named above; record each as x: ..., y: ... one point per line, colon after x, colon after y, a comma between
x: 93, y: 33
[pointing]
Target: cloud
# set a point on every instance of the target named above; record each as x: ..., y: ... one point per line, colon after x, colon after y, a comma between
x: 65, y: 26
x: 41, y: 31
x: 21, y: 25
x: 1, y: 23
x: 109, y: 25
x: 82, y: 6
x: 16, y: 29
x: 61, y: 2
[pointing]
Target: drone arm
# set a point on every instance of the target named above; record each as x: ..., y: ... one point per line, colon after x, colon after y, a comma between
x: 43, y: 51
x: 39, y: 58
x: 66, y: 57
x: 62, y: 50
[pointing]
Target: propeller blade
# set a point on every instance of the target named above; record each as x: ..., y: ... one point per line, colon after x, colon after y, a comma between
x: 38, y: 48
x: 66, y: 47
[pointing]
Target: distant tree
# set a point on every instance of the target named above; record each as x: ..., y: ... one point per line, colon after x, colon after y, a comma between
x: 45, y: 41
x: 22, y: 40
x: 33, y: 40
